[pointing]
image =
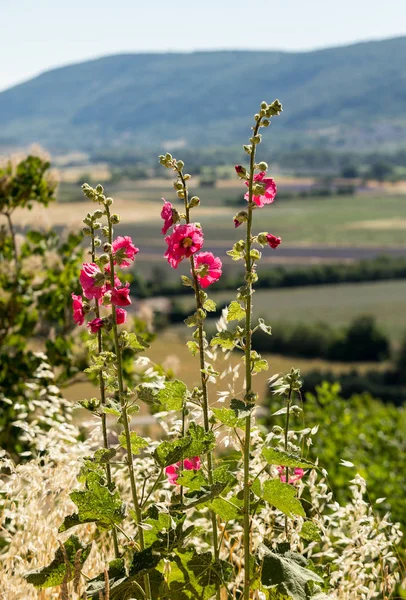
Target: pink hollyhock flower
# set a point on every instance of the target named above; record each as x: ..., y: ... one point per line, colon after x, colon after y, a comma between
x: 297, y: 474
x: 123, y: 248
x: 182, y: 243
x: 167, y: 215
x: 208, y: 268
x: 269, y: 193
x: 237, y: 223
x: 121, y: 316
x: 121, y: 296
x: 95, y: 325
x: 77, y: 307
x: 273, y: 241
x: 92, y: 281
x: 241, y: 171
x: 189, y: 464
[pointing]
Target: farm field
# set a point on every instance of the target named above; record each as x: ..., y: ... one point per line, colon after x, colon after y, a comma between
x: 335, y: 304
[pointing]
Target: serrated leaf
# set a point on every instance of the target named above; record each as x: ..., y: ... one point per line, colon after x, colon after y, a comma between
x: 193, y: 480
x: 136, y: 442
x: 264, y: 327
x: 273, y: 456
x: 95, y: 504
x: 57, y: 573
x: 173, y: 395
x: 228, y: 417
x: 191, y: 321
x: 235, y: 312
x: 310, y: 532
x: 224, y: 339
x: 136, y: 343
x: 280, y: 495
x: 193, y: 347
x: 226, y: 509
x: 241, y: 408
x: 195, y: 443
x: 287, y: 574
x: 209, y: 305
x: 224, y: 475
x: 260, y: 365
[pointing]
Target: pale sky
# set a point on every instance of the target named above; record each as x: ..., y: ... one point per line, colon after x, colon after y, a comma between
x: 37, y: 35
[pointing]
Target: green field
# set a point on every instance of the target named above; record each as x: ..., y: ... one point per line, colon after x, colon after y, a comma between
x: 334, y: 304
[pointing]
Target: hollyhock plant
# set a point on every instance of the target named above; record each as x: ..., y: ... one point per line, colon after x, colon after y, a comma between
x: 185, y: 241
x: 189, y: 464
x: 92, y: 281
x: 208, y: 268
x: 267, y: 195
x: 273, y: 241
x: 95, y: 325
x: 77, y: 307
x: 121, y: 316
x: 117, y: 282
x: 296, y: 476
x: 121, y: 296
x: 123, y: 248
x: 167, y: 216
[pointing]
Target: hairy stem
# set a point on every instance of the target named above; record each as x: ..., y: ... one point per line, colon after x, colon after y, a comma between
x: 248, y: 379
x: 103, y: 401
x: 289, y: 402
x: 205, y: 403
x: 124, y: 414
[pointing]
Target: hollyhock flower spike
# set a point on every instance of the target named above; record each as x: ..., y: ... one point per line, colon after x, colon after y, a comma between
x: 121, y: 296
x: 185, y: 241
x: 268, y: 191
x: 296, y: 476
x: 167, y: 215
x: 92, y: 281
x: 208, y: 268
x: 77, y: 307
x: 95, y: 325
x: 273, y: 241
x: 123, y: 248
x: 121, y: 316
x: 189, y: 464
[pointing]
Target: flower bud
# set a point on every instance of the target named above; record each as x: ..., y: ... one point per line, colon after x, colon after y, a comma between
x: 256, y: 139
x: 251, y: 277
x: 180, y: 164
x: 240, y: 218
x: 106, y: 300
x: 99, y: 189
x: 96, y: 225
x: 266, y: 123
x: 240, y: 245
x: 255, y: 254
x: 109, y: 201
x: 97, y: 242
x: 247, y: 148
x: 194, y: 201
x: 251, y: 397
x: 264, y: 104
x: 187, y: 176
x: 178, y: 185
x: 86, y: 307
x: 105, y: 230
x: 98, y: 213
x: 257, y: 117
x: 180, y: 193
x: 262, y: 239
x: 262, y: 166
x: 87, y: 231
x: 104, y: 259
x: 115, y: 218
x: 168, y: 156
x: 241, y: 172
x: 200, y: 314
x: 106, y: 247
x: 88, y: 219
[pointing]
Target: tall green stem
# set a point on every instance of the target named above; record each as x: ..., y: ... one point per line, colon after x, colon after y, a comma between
x: 203, y: 377
x: 248, y: 378
x: 103, y: 401
x: 289, y: 401
x: 124, y: 414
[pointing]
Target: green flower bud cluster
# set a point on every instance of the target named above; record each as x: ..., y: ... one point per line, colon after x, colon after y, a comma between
x: 94, y: 194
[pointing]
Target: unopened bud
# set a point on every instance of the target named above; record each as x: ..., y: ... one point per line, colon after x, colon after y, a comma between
x: 261, y: 238
x: 194, y: 201
x: 97, y: 242
x: 106, y: 300
x: 187, y: 176
x: 104, y: 259
x: 99, y: 189
x: 251, y: 277
x: 241, y: 172
x: 168, y: 156
x: 266, y: 123
x: 262, y: 166
x: 98, y: 213
x: 256, y: 139
x: 240, y: 218
x: 247, y: 148
x: 115, y: 219
x: 264, y: 104
x: 240, y: 245
x: 180, y: 193
x: 86, y: 307
x: 200, y: 314
x: 105, y: 230
x: 106, y: 247
x: 109, y: 201
x: 87, y: 231
x: 96, y: 225
x: 180, y: 164
x: 257, y: 117
x: 255, y: 254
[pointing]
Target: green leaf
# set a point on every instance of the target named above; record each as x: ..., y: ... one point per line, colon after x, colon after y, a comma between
x: 287, y: 574
x: 192, y: 480
x: 280, y: 495
x: 191, y: 321
x: 274, y: 456
x: 310, y: 532
x: 235, y: 312
x: 58, y: 571
x: 260, y: 365
x: 195, y: 443
x: 226, y: 509
x: 173, y: 395
x: 224, y: 339
x: 95, y: 504
x: 209, y: 305
x: 136, y: 343
x: 186, y: 281
x: 264, y: 327
x: 228, y: 417
x: 159, y: 522
x: 136, y: 442
x: 224, y: 475
x: 240, y: 408
x: 193, y: 347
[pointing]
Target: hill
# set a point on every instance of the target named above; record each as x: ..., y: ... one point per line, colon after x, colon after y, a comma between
x: 352, y: 96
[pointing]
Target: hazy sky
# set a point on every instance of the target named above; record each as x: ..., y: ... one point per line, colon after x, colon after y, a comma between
x: 37, y: 35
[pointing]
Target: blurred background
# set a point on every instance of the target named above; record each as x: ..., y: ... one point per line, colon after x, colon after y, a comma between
x: 104, y: 88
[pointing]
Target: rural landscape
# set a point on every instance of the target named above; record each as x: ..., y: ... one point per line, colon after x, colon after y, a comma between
x: 203, y: 327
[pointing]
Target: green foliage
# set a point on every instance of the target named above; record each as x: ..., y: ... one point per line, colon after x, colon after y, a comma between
x: 62, y: 568
x: 196, y: 443
x: 280, y: 495
x: 274, y: 456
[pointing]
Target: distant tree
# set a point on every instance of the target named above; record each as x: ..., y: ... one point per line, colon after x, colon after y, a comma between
x: 349, y: 172
x: 381, y: 170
